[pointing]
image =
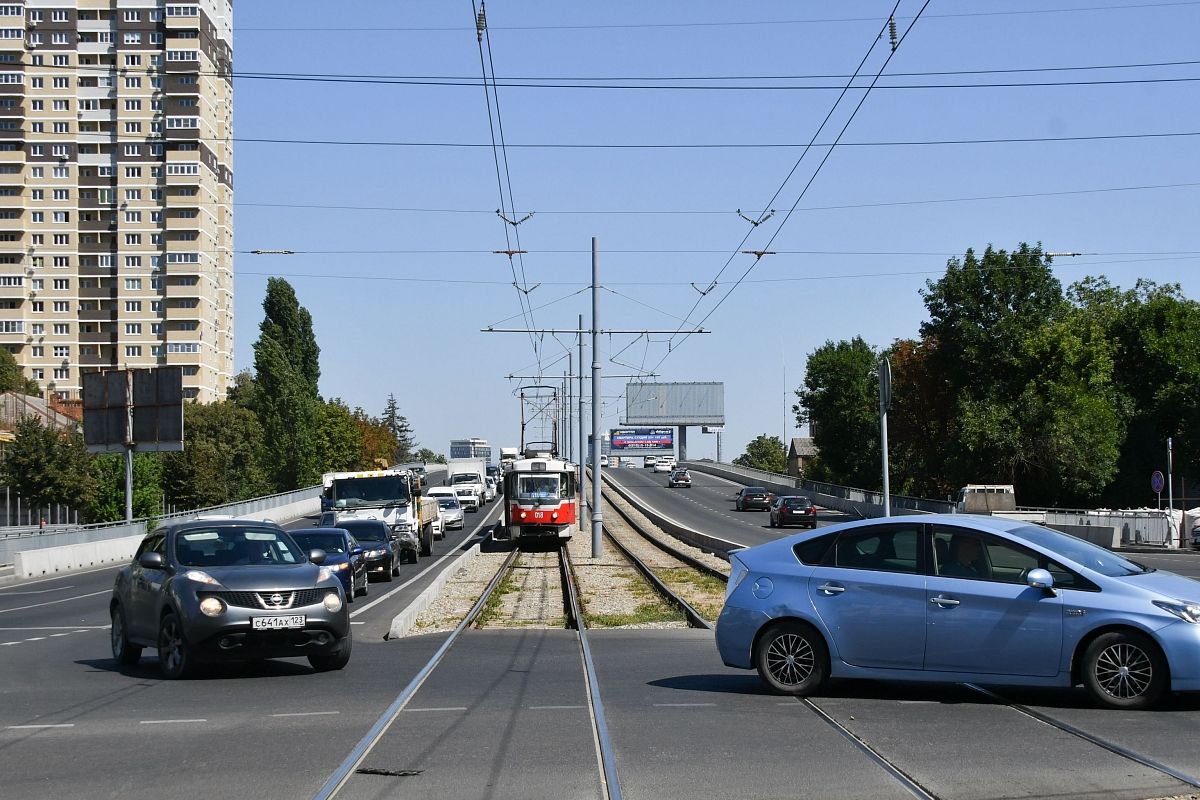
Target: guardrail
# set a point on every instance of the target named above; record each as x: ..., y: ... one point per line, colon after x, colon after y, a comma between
x: 277, y: 506
x: 847, y: 499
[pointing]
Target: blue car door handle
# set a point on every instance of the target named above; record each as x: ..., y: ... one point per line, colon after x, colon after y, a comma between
x: 943, y: 601
x: 831, y: 588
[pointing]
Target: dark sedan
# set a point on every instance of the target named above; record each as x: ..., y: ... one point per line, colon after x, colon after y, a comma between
x: 381, y: 549
x: 343, y: 557
x: 227, y: 590
x: 791, y: 510
x: 753, y: 497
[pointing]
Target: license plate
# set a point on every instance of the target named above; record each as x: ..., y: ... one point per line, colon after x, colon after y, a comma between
x: 277, y: 623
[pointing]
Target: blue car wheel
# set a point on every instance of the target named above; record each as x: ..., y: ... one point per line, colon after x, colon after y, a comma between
x: 791, y: 658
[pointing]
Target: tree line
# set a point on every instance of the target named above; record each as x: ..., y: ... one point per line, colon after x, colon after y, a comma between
x: 273, y: 433
x: 1070, y: 395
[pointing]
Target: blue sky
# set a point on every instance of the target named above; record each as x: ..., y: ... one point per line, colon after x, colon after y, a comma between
x: 400, y: 295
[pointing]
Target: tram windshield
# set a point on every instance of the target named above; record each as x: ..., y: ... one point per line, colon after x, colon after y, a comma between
x: 541, y: 488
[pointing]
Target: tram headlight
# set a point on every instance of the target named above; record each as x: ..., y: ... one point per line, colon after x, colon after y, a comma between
x: 523, y: 515
x: 554, y: 515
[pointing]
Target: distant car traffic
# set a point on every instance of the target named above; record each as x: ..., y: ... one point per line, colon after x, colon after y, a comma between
x: 960, y: 598
x: 649, y: 461
x: 664, y: 465
x: 755, y: 497
x: 468, y: 497
x: 793, y: 510
x: 451, y: 512
x: 680, y: 478
x: 221, y: 590
x: 489, y: 488
x: 343, y: 556
x: 382, y: 550
x: 604, y: 459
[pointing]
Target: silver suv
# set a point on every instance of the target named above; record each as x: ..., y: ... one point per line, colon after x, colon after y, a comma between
x: 227, y: 590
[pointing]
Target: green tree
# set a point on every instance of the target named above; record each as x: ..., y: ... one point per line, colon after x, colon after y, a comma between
x: 840, y: 401
x: 339, y: 438
x: 765, y: 453
x: 108, y: 472
x: 12, y: 377
x: 221, y: 460
x: 47, y: 466
x: 285, y: 389
x: 429, y: 457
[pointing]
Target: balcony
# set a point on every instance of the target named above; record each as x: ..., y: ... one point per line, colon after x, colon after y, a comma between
x: 179, y: 314
x: 97, y: 48
x: 98, y: 337
x: 175, y: 291
x: 180, y: 224
x: 182, y: 359
x: 98, y: 292
x: 98, y: 315
x: 11, y: 335
x: 98, y: 115
x: 96, y: 92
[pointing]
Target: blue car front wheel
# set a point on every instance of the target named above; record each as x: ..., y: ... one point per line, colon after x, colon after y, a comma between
x: 791, y: 658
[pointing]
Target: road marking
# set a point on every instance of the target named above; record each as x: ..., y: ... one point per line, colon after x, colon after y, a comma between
x: 38, y: 591
x: 555, y: 708
x: 36, y: 639
x: 71, y: 628
x: 447, y: 708
x: 37, y: 727
x: 53, y: 602
x: 453, y: 553
x: 307, y: 714
x: 358, y: 623
x: 684, y: 705
x: 168, y: 721
x: 68, y: 633
x: 6, y: 644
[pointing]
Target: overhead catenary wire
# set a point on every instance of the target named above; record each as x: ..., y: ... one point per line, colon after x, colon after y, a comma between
x: 812, y: 178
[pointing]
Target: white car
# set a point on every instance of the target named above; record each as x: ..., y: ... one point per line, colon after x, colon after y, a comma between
x: 649, y: 461
x: 489, y: 488
x: 603, y: 460
x: 451, y: 512
x: 664, y: 465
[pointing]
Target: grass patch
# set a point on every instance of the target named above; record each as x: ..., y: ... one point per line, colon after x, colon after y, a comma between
x: 491, y: 609
x: 698, y: 581
x: 645, y: 612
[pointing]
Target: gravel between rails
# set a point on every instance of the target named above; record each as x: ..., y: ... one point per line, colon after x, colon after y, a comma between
x: 534, y: 594
x: 702, y: 592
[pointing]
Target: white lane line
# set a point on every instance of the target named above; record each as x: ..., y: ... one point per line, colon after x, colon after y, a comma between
x: 555, y: 708
x: 36, y: 639
x: 454, y: 551
x: 358, y: 623
x: 447, y: 708
x: 684, y: 705
x: 71, y: 628
x: 53, y: 602
x: 68, y: 633
x: 38, y: 591
x: 307, y: 714
x: 168, y: 721
x: 6, y: 644
x: 37, y: 727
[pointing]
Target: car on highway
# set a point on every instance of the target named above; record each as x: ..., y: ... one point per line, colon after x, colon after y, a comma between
x: 469, y: 498
x: 649, y: 461
x: 680, y: 479
x: 792, y: 510
x: 490, y: 491
x: 343, y: 556
x: 752, y: 497
x: 959, y: 598
x: 227, y: 590
x: 382, y: 549
x: 451, y: 512
x: 664, y: 465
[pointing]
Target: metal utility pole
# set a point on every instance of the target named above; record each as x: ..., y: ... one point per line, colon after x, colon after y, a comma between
x: 129, y: 445
x: 597, y: 514
x: 567, y: 409
x: 1171, y: 487
x: 582, y: 434
x: 885, y: 401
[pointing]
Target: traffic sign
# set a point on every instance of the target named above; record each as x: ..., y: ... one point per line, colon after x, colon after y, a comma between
x: 1157, y: 482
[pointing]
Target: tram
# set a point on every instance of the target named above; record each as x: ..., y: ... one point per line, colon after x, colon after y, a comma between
x: 540, y: 501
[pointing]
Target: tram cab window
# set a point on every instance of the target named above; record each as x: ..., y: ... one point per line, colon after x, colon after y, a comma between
x: 538, y: 487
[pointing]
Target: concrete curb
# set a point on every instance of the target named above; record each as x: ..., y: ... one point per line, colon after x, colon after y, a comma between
x: 402, y: 623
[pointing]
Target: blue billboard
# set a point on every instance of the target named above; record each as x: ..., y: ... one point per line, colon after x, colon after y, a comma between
x: 622, y: 439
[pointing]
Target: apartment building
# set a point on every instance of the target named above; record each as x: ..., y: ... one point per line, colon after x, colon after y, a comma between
x: 116, y: 189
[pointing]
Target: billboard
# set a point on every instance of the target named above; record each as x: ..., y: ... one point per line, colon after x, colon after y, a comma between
x: 675, y: 404
x: 638, y: 439
x: 139, y: 408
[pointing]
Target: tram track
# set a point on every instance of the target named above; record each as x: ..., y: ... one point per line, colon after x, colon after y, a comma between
x: 352, y: 765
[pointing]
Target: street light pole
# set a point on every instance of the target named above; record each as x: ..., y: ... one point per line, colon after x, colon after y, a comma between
x: 885, y: 401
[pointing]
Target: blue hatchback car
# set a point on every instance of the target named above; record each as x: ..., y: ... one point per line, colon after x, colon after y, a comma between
x: 343, y: 556
x: 959, y: 598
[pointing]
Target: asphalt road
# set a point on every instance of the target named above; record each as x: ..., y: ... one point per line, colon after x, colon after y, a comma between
x: 505, y: 714
x: 708, y: 506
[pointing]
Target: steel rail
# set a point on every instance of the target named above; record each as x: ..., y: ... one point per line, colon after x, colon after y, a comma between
x: 693, y: 616
x: 604, y: 747
x: 1091, y: 738
x: 687, y: 558
x: 909, y: 783
x: 342, y: 774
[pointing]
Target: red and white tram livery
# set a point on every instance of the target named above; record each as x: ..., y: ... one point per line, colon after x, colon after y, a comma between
x: 540, y: 500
